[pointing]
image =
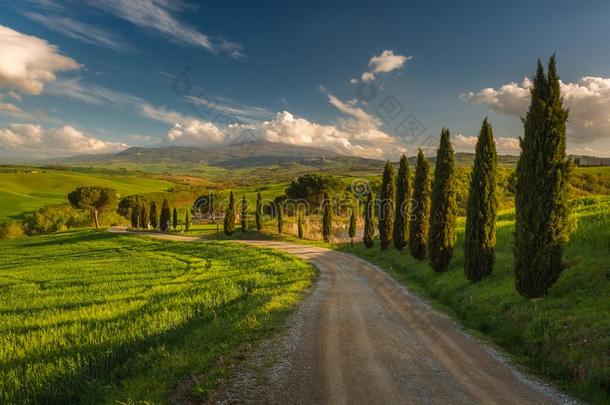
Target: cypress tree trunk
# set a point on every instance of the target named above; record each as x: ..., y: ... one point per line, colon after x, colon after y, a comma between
x: 229, y: 221
x: 441, y: 240
x: 165, y: 217
x: 369, y: 226
x: 175, y: 219
x: 259, y: 212
x: 402, y: 210
x: 352, y: 226
x: 326, y: 218
x: 418, y: 235
x: 386, y: 207
x: 244, y: 214
x: 542, y: 225
x: 154, y: 219
x: 480, y: 232
x: 280, y: 218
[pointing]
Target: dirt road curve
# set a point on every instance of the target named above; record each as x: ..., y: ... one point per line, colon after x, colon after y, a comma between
x: 361, y: 338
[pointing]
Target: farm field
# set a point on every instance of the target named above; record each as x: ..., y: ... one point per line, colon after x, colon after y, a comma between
x: 93, y: 317
x: 565, y: 336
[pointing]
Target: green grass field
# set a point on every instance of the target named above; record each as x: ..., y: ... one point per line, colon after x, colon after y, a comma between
x: 91, y: 317
x: 22, y: 192
x: 564, y: 337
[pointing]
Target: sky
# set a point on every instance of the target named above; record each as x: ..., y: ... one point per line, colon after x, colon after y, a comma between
x: 361, y: 78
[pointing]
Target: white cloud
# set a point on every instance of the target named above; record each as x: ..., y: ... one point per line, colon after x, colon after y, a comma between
x: 504, y: 146
x: 10, y: 108
x: 27, y: 62
x: 37, y: 142
x: 386, y: 62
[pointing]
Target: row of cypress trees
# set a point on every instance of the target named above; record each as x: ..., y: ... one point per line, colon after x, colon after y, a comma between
x: 145, y: 217
x: 230, y: 213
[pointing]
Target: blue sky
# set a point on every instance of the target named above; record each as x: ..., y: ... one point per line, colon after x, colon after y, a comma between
x: 291, y: 73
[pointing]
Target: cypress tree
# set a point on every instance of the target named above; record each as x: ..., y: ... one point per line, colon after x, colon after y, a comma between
x: 154, y: 218
x: 259, y: 212
x: 143, y: 215
x: 403, y: 206
x: 244, y: 214
x: 300, y: 225
x: 369, y: 226
x: 187, y: 221
x: 280, y: 217
x: 229, y: 221
x: 352, y: 226
x: 480, y: 232
x: 135, y: 216
x: 165, y: 217
x: 541, y: 200
x: 443, y: 207
x: 386, y: 208
x: 175, y: 219
x: 326, y: 218
x: 418, y: 235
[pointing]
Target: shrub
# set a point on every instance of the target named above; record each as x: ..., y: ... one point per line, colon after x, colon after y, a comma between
x: 11, y: 230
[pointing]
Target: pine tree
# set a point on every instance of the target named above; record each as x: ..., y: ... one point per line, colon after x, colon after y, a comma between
x: 403, y: 205
x: 259, y: 212
x: 280, y: 217
x: 143, y: 215
x: 165, y: 217
x: 300, y: 231
x: 187, y: 221
x: 369, y: 226
x: 542, y: 225
x: 386, y: 207
x: 244, y: 214
x: 418, y: 235
x: 229, y: 221
x: 326, y: 218
x: 443, y: 207
x: 352, y: 226
x: 154, y: 218
x: 480, y: 232
x: 175, y: 219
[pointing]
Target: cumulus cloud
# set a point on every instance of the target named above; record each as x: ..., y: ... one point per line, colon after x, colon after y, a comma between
x: 386, y: 62
x: 37, y: 142
x: 504, y: 146
x: 588, y: 101
x: 28, y: 62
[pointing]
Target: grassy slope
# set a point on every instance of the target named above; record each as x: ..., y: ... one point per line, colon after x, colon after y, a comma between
x: 90, y: 317
x: 21, y: 192
x: 564, y: 337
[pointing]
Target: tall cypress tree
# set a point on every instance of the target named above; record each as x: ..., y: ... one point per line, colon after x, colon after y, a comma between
x: 300, y: 231
x: 352, y: 226
x: 369, y: 226
x: 259, y: 212
x: 403, y: 206
x: 326, y: 218
x: 443, y: 207
x: 135, y: 216
x: 480, y: 233
x: 280, y: 217
x: 175, y: 219
x: 386, y: 207
x: 244, y: 214
x: 143, y: 215
x: 187, y: 220
x: 165, y: 217
x: 229, y: 221
x: 418, y: 235
x: 154, y: 215
x: 541, y: 198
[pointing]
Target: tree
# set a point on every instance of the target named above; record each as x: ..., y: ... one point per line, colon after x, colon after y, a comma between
x: 441, y: 239
x: 143, y: 215
x: 326, y: 217
x: 418, y: 235
x: 135, y: 216
x: 175, y: 219
x: 165, y: 217
x: 542, y: 225
x: 369, y: 226
x: 126, y: 204
x: 187, y: 221
x: 403, y: 205
x: 352, y: 226
x: 243, y: 216
x: 312, y: 186
x: 94, y: 199
x: 386, y: 207
x: 280, y: 217
x: 229, y: 222
x: 259, y: 212
x: 480, y: 232
x: 154, y: 218
x: 300, y: 225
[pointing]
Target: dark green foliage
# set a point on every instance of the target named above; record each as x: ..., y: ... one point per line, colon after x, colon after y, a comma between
x: 300, y: 231
x: 229, y: 221
x: 187, y: 220
x: 326, y: 218
x: 126, y: 204
x: 418, y: 235
x: 403, y: 205
x: 369, y: 226
x: 135, y: 216
x: 244, y: 214
x: 94, y: 199
x: 165, y: 217
x: 175, y: 219
x: 542, y: 225
x: 154, y: 215
x: 352, y: 226
x: 480, y: 232
x: 312, y: 186
x: 280, y: 217
x: 443, y: 207
x: 259, y: 212
x: 386, y: 205
x: 143, y: 215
